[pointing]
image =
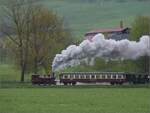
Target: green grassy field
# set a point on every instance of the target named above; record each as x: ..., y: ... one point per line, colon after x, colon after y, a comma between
x: 75, y: 100
x: 8, y: 73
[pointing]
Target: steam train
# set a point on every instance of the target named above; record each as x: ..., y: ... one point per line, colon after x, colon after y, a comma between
x: 72, y: 78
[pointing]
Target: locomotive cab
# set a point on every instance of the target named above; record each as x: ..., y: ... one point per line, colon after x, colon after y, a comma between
x: 43, y: 79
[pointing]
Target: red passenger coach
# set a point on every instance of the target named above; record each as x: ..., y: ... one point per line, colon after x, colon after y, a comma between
x: 93, y: 77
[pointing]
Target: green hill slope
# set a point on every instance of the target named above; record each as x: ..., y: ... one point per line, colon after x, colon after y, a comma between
x: 84, y: 15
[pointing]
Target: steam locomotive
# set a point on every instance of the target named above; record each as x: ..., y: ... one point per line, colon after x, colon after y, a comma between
x: 72, y: 78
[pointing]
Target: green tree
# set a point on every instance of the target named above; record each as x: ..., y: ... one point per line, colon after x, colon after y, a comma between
x: 35, y: 35
x: 48, y: 37
x: 141, y: 26
x: 16, y: 28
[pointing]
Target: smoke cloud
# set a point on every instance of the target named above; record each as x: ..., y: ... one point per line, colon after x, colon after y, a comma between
x: 99, y: 47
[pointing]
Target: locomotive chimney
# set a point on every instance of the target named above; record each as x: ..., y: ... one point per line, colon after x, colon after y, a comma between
x: 121, y: 24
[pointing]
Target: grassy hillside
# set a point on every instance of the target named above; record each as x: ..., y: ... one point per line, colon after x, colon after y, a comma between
x: 84, y: 15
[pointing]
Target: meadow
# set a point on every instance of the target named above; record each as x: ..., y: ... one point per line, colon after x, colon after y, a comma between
x: 8, y: 73
x: 75, y: 100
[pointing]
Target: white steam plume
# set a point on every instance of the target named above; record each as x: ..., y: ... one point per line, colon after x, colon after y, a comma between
x: 99, y: 47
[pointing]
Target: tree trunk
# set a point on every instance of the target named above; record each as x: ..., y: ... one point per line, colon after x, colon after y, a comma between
x: 35, y: 66
x: 36, y: 54
x: 22, y: 75
x: 22, y: 62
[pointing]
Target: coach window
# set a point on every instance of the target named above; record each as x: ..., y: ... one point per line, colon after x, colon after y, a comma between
x: 76, y: 76
x: 109, y: 76
x: 97, y: 76
x: 93, y: 76
x: 65, y: 76
x: 82, y: 76
x: 119, y: 76
x: 103, y: 76
x: 114, y: 76
x: 124, y: 76
x: 71, y: 76
x: 87, y: 76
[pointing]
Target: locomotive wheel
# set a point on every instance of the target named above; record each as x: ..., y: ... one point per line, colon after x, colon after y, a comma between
x: 69, y: 83
x: 49, y: 84
x: 112, y: 83
x: 65, y: 83
x: 120, y: 83
x: 73, y: 83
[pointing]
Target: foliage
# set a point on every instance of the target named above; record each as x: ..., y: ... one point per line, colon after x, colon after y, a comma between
x: 110, y: 66
x: 141, y: 26
x: 16, y: 28
x: 36, y: 35
x: 48, y: 37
